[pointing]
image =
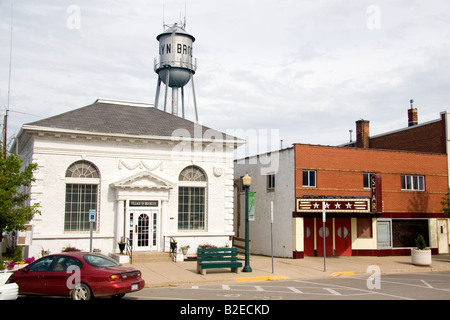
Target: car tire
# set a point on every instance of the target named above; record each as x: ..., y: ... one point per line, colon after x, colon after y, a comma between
x: 81, y: 292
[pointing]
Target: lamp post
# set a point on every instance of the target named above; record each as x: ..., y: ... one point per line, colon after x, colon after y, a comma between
x: 246, y: 181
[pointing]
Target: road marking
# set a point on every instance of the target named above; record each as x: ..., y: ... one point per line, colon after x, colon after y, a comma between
x: 333, y: 291
x: 426, y: 283
x: 225, y: 287
x: 258, y: 288
x: 294, y: 290
x: 261, y: 278
x: 357, y: 289
x: 194, y: 287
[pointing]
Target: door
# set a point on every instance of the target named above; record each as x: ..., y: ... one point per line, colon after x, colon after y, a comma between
x: 308, y: 244
x: 145, y: 231
x: 320, y: 233
x: 343, y: 237
x: 443, y: 236
x: 384, y: 234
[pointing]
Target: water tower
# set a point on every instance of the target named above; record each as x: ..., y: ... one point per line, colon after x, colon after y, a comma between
x: 175, y: 67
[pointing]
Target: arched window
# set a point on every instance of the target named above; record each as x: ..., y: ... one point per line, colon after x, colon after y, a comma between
x: 192, y: 173
x: 82, y: 185
x: 192, y: 199
x: 82, y: 169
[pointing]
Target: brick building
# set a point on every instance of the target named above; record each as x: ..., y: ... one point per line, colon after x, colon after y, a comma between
x: 410, y: 182
x: 412, y: 185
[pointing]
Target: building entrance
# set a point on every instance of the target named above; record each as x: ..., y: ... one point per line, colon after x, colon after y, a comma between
x: 143, y: 230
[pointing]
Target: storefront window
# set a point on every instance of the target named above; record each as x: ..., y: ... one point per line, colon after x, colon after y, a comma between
x: 405, y: 232
x: 364, y: 227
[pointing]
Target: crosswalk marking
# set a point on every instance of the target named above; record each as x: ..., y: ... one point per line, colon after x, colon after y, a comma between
x: 333, y: 291
x: 294, y: 290
x: 426, y: 283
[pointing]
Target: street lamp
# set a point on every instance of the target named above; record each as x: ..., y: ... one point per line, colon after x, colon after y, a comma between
x: 246, y: 181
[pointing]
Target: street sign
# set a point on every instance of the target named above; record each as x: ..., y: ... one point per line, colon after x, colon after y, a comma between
x: 92, y: 214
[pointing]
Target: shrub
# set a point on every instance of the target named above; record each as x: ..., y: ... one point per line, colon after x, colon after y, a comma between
x: 17, y: 254
x: 420, y: 243
x: 70, y: 249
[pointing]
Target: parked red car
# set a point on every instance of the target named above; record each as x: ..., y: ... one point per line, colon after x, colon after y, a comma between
x: 80, y: 275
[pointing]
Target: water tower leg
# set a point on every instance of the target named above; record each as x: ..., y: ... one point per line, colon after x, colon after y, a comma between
x: 158, y: 88
x: 195, y: 100
x: 167, y: 88
x: 175, y: 101
x: 182, y: 103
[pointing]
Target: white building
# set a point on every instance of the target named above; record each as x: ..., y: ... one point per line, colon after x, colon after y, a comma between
x: 263, y: 169
x: 149, y: 176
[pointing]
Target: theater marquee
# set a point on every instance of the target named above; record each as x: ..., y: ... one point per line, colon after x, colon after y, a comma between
x: 361, y: 205
x: 338, y: 204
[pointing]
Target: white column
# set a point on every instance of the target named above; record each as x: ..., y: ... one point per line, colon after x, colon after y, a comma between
x: 120, y: 222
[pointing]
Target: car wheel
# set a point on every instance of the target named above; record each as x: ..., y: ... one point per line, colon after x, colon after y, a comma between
x: 81, y: 292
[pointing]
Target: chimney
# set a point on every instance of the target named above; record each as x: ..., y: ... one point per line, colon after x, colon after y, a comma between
x: 413, y: 118
x: 362, y: 134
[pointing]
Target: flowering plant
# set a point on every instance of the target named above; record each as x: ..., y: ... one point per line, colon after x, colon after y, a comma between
x: 10, y: 264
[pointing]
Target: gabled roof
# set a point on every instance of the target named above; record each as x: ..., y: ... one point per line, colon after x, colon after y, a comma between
x: 119, y: 117
x: 143, y: 180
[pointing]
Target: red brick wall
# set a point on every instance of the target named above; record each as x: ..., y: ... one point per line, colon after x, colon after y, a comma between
x: 422, y: 138
x: 340, y: 172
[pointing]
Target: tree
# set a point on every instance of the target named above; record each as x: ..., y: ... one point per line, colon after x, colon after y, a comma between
x: 15, y: 211
x: 445, y: 202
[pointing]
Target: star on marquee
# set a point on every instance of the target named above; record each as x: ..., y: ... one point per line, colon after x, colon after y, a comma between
x: 348, y: 205
x: 327, y: 205
x: 316, y: 205
x: 337, y: 205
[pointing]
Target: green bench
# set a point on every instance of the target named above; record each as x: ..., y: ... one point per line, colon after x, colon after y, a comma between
x: 213, y: 258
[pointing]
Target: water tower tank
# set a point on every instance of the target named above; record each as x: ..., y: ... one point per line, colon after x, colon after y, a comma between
x: 174, y: 65
x: 175, y: 54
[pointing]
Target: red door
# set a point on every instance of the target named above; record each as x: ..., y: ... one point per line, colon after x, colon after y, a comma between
x: 343, y: 243
x: 308, y: 244
x: 328, y: 237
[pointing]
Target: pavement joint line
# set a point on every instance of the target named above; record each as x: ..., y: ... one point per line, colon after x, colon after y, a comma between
x: 261, y: 278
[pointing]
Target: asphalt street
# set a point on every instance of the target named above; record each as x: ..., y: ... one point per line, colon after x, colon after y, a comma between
x: 417, y: 286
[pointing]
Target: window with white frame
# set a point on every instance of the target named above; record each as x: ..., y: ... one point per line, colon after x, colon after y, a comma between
x: 366, y: 179
x: 192, y: 199
x: 82, y: 185
x: 309, y: 178
x: 413, y: 182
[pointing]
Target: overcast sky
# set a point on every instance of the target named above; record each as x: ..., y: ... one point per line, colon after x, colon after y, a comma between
x: 297, y: 71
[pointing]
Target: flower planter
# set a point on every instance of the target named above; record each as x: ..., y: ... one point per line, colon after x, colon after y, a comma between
x: 121, y: 247
x: 421, y: 257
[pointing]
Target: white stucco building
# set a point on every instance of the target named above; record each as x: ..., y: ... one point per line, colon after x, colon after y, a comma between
x: 149, y: 176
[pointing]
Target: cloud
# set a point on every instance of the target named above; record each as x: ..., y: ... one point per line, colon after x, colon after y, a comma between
x: 308, y: 69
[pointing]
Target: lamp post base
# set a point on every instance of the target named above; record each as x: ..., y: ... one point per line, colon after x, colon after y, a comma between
x: 247, y: 269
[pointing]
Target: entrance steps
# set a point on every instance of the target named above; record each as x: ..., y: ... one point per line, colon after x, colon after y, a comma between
x: 148, y: 257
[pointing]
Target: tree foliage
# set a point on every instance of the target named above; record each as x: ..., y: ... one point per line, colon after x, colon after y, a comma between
x: 445, y: 202
x: 15, y: 210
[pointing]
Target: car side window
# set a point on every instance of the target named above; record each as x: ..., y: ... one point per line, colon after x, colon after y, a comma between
x: 41, y: 264
x: 64, y: 262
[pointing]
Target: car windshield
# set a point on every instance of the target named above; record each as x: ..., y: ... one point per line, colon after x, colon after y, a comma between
x: 100, y: 261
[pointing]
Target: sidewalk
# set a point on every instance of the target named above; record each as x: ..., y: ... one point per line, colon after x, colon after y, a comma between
x: 168, y: 273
